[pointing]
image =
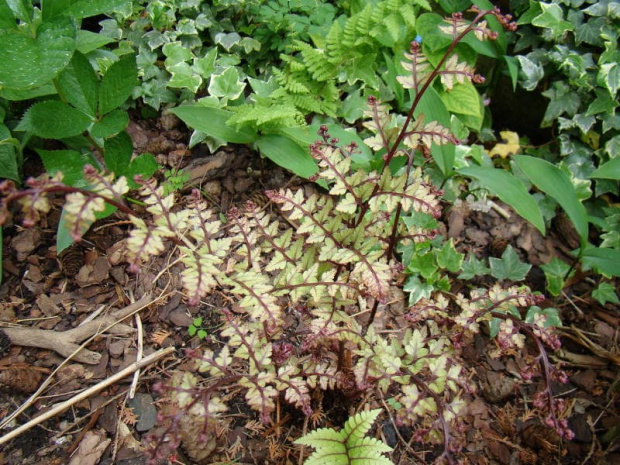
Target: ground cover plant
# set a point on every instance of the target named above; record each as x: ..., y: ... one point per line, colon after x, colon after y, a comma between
x: 298, y: 296
x: 309, y: 289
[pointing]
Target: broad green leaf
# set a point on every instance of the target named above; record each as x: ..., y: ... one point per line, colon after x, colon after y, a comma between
x: 226, y: 84
x: 288, y: 154
x: 29, y: 62
x: 22, y: 10
x: 307, y: 135
x: 509, y: 189
x: 7, y: 20
x: 212, y: 121
x: 423, y: 265
x: 54, y: 120
x: 606, y: 292
x: 144, y: 165
x: 512, y: 65
x: 464, y: 99
x: 552, y: 316
x: 87, y: 41
x: 609, y: 170
x: 509, y: 266
x: 69, y: 162
x: 117, y: 84
x: 51, y: 8
x: 88, y: 8
x: 77, y: 84
x: 555, y: 271
x: 433, y: 109
x: 606, y: 261
x: 9, y: 166
x: 111, y: 124
x: 117, y: 153
x: 557, y: 184
x: 427, y: 26
x: 176, y: 53
x: 28, y: 94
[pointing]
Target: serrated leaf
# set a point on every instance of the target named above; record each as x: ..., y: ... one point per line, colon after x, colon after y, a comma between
x: 556, y: 183
x: 509, y: 266
x: 110, y: 125
x: 29, y: 62
x: 144, y: 165
x: 510, y: 190
x: 212, y: 121
x: 8, y: 155
x: 87, y: 41
x: 606, y: 292
x: 54, y: 120
x: 117, y: 153
x: 77, y: 84
x: 117, y: 84
x: 69, y: 162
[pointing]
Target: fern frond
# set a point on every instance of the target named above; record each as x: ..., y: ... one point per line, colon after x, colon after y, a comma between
x: 348, y: 446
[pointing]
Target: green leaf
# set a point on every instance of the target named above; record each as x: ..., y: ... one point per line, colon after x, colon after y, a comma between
x: 22, y: 10
x: 610, y: 75
x: 117, y: 84
x: 509, y: 266
x: 176, y: 53
x: 464, y: 99
x: 9, y: 168
x: 69, y: 162
x: 87, y: 8
x: 552, y: 17
x: 609, y: 170
x: 555, y: 271
x: 192, y: 330
x: 557, y: 184
x: 117, y: 153
x: 183, y: 76
x: 433, y: 109
x: 7, y: 20
x: 495, y: 322
x: 77, y: 84
x: 532, y: 71
x: 552, y: 316
x: 29, y: 62
x: 606, y: 292
x: 144, y: 165
x: 423, y: 265
x: 212, y: 121
x: 288, y: 154
x: 54, y: 120
x: 111, y: 124
x: 226, y: 84
x: 510, y: 190
x: 472, y: 267
x: 87, y: 41
x: 201, y: 334
x: 448, y: 258
x: 606, y: 261
x: 417, y: 289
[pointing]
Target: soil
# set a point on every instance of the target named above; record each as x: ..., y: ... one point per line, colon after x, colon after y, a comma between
x: 47, y: 291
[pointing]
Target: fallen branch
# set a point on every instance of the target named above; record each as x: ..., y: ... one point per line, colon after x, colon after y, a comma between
x: 68, y: 342
x: 61, y: 407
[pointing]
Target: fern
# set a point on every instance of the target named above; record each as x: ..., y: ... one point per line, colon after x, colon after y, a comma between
x: 350, y: 446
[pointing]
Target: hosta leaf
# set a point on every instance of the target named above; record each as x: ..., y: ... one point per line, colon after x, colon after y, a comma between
x: 510, y: 190
x: 288, y: 154
x: 609, y: 170
x: 212, y: 121
x: 556, y: 183
x: 29, y: 62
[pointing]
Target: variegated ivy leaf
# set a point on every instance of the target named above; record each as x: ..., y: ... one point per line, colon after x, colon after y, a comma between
x: 227, y: 84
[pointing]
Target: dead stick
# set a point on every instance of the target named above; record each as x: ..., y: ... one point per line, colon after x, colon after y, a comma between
x: 68, y: 342
x: 61, y: 407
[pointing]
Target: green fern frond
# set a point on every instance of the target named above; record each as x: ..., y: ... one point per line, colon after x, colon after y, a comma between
x: 349, y: 446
